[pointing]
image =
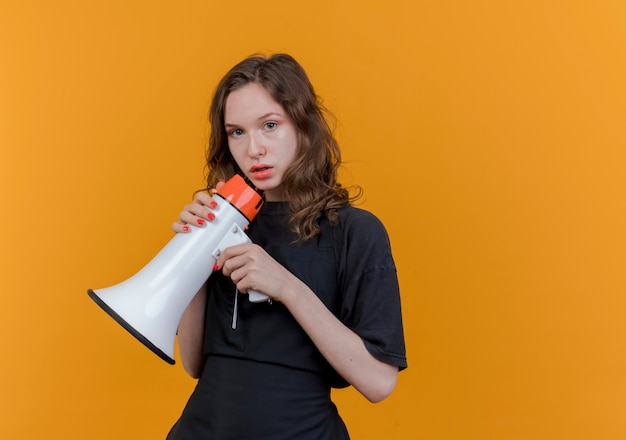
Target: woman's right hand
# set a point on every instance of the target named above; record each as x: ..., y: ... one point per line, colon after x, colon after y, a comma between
x: 197, y: 213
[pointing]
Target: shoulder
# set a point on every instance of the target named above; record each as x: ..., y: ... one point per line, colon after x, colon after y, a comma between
x: 352, y: 215
x: 357, y: 220
x: 359, y: 234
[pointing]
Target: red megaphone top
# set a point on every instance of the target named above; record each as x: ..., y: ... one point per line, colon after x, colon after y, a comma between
x: 241, y: 196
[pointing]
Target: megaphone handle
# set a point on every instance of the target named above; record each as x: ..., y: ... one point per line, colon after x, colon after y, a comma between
x: 257, y: 297
x: 236, y: 236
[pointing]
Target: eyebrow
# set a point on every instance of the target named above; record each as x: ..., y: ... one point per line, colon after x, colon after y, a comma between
x: 266, y: 115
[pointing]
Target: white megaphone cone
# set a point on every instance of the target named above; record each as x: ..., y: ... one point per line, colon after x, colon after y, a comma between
x: 151, y: 303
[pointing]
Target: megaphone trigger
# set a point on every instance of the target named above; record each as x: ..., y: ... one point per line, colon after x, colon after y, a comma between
x: 233, y: 237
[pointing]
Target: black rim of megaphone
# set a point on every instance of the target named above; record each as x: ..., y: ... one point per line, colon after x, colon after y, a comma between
x: 130, y: 328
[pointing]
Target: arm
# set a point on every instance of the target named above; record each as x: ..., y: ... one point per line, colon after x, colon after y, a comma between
x: 250, y: 267
x: 191, y: 326
x: 191, y: 335
x: 341, y: 347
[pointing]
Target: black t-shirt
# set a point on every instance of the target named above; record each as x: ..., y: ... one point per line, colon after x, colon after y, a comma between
x: 351, y: 269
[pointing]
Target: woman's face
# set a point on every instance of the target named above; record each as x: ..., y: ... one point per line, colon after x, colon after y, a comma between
x: 261, y: 138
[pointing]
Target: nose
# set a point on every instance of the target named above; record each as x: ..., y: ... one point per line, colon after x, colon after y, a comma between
x: 255, y: 146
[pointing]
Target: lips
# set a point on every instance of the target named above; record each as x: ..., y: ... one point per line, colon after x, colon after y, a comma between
x: 261, y: 171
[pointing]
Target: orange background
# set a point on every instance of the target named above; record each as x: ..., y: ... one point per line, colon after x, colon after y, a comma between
x: 489, y: 137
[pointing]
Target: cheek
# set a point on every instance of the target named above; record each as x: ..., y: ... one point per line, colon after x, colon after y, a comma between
x: 234, y: 155
x: 234, y: 147
x: 291, y: 143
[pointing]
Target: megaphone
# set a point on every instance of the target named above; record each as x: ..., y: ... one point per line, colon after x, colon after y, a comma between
x: 150, y: 304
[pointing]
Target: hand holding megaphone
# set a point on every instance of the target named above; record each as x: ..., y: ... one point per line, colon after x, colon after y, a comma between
x: 234, y: 237
x: 151, y: 303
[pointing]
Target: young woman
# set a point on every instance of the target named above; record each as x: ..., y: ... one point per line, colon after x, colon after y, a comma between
x: 333, y: 318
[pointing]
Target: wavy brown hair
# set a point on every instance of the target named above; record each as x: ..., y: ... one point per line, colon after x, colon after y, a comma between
x: 310, y: 184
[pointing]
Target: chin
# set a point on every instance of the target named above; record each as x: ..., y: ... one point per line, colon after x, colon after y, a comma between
x: 273, y: 194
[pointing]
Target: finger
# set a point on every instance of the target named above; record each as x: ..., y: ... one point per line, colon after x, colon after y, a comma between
x: 232, y: 252
x: 187, y: 218
x: 203, y: 199
x: 226, y: 263
x: 245, y: 282
x: 180, y: 227
x: 196, y: 214
x: 241, y: 278
x: 232, y: 258
x: 218, y: 185
x: 202, y: 206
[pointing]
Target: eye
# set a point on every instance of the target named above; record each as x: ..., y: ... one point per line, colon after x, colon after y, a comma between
x: 236, y: 132
x: 270, y: 125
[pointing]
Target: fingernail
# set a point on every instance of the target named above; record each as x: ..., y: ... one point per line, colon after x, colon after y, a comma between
x: 211, y: 216
x: 213, y: 204
x: 185, y: 228
x: 200, y: 222
x: 216, y: 267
